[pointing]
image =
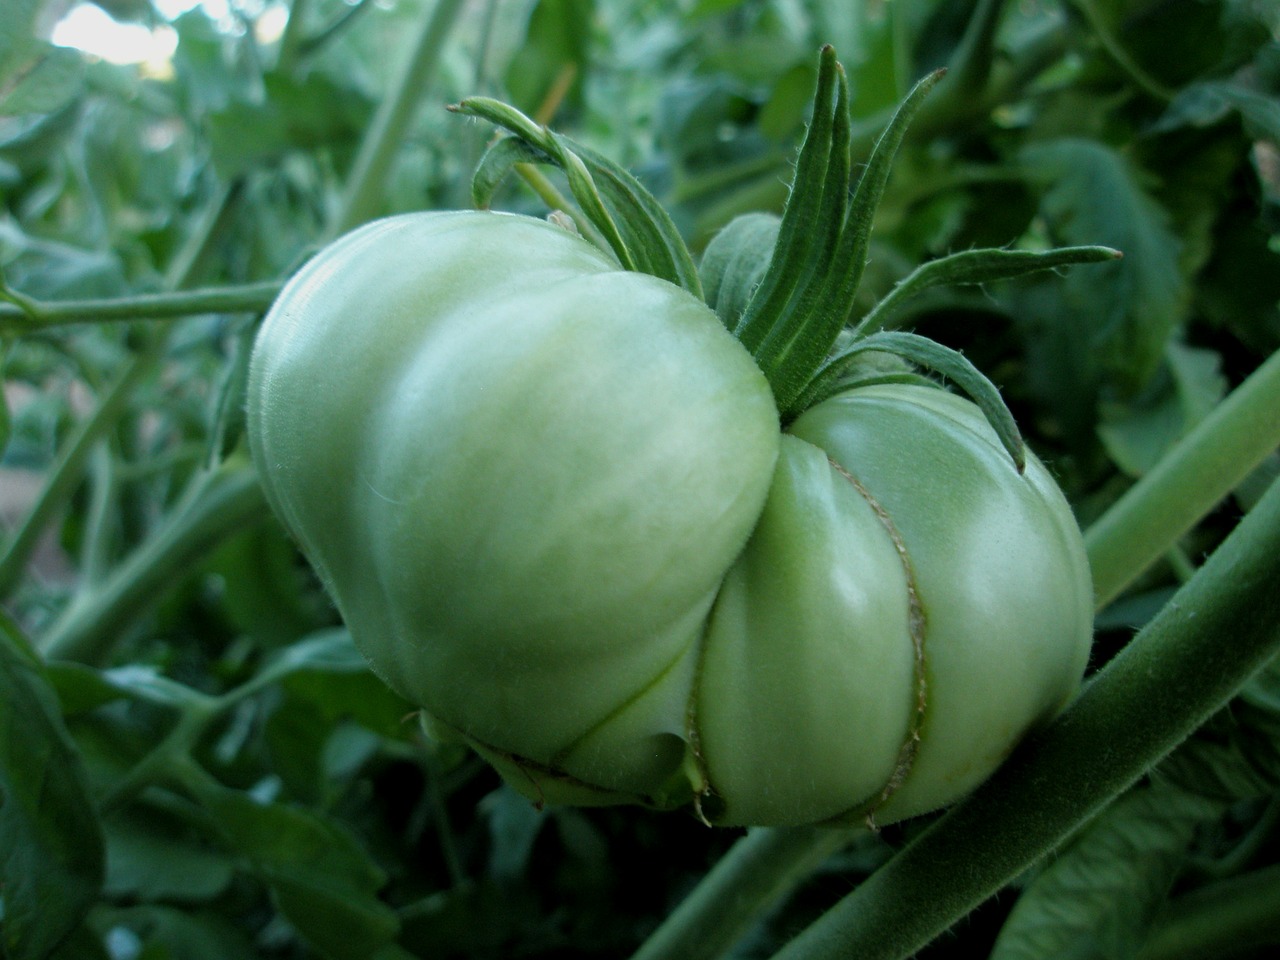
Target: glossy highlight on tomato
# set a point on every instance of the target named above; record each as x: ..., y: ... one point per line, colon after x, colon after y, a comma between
x: 554, y: 503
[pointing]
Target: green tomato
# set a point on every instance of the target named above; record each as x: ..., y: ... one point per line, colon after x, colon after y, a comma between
x: 553, y: 503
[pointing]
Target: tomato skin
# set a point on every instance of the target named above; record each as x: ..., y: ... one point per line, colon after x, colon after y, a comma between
x: 520, y: 471
x: 552, y: 501
x: 910, y: 495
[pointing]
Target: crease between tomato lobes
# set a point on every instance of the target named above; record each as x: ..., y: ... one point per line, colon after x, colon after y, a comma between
x: 554, y: 505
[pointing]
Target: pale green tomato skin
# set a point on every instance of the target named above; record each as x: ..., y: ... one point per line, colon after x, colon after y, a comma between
x: 909, y: 505
x: 552, y: 502
x: 521, y: 472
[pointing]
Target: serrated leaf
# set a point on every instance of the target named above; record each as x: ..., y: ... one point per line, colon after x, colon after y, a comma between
x: 51, y: 846
x: 320, y: 878
x: 1094, y: 196
x: 1101, y: 893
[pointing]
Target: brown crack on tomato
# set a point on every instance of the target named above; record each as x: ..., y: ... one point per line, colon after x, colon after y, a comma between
x: 916, y: 626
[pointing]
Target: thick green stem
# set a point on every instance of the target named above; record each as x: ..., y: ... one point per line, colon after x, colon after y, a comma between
x: 1186, y: 484
x: 249, y: 298
x: 229, y: 498
x: 1219, y: 920
x: 1185, y: 665
x: 369, y: 174
x: 756, y: 872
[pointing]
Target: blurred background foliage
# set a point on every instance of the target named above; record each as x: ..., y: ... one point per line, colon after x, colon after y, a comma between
x: 316, y: 819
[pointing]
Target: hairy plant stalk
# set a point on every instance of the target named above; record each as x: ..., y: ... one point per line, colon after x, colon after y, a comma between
x: 1205, y: 466
x: 1186, y: 664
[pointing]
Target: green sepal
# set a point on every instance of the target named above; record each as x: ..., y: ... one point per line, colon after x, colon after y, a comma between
x: 635, y: 227
x: 497, y: 163
x: 976, y: 266
x: 734, y: 263
x: 830, y: 380
x: 797, y: 343
x: 818, y: 195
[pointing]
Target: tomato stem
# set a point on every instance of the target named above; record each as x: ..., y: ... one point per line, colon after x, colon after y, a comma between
x: 800, y: 333
x: 1196, y: 474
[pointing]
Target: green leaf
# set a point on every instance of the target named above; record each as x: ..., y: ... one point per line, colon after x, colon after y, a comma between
x: 51, y: 845
x: 782, y: 113
x: 1204, y: 104
x: 50, y: 78
x: 871, y: 58
x: 1137, y: 435
x: 265, y: 592
x: 295, y: 114
x: 818, y: 196
x: 514, y: 826
x: 1098, y: 897
x: 326, y: 651
x: 496, y: 165
x: 932, y: 356
x: 35, y: 76
x: 173, y: 933
x: 1131, y: 307
x: 320, y: 878
x: 153, y: 854
x: 793, y: 349
x: 974, y: 267
x: 1236, y: 755
x: 635, y: 227
x: 734, y: 263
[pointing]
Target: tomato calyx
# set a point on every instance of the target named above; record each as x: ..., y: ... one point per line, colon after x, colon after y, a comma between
x: 785, y: 287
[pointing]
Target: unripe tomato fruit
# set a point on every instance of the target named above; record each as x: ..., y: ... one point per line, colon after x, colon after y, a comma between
x: 553, y: 502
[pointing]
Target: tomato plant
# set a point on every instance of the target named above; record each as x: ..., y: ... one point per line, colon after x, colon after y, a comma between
x: 706, y: 507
